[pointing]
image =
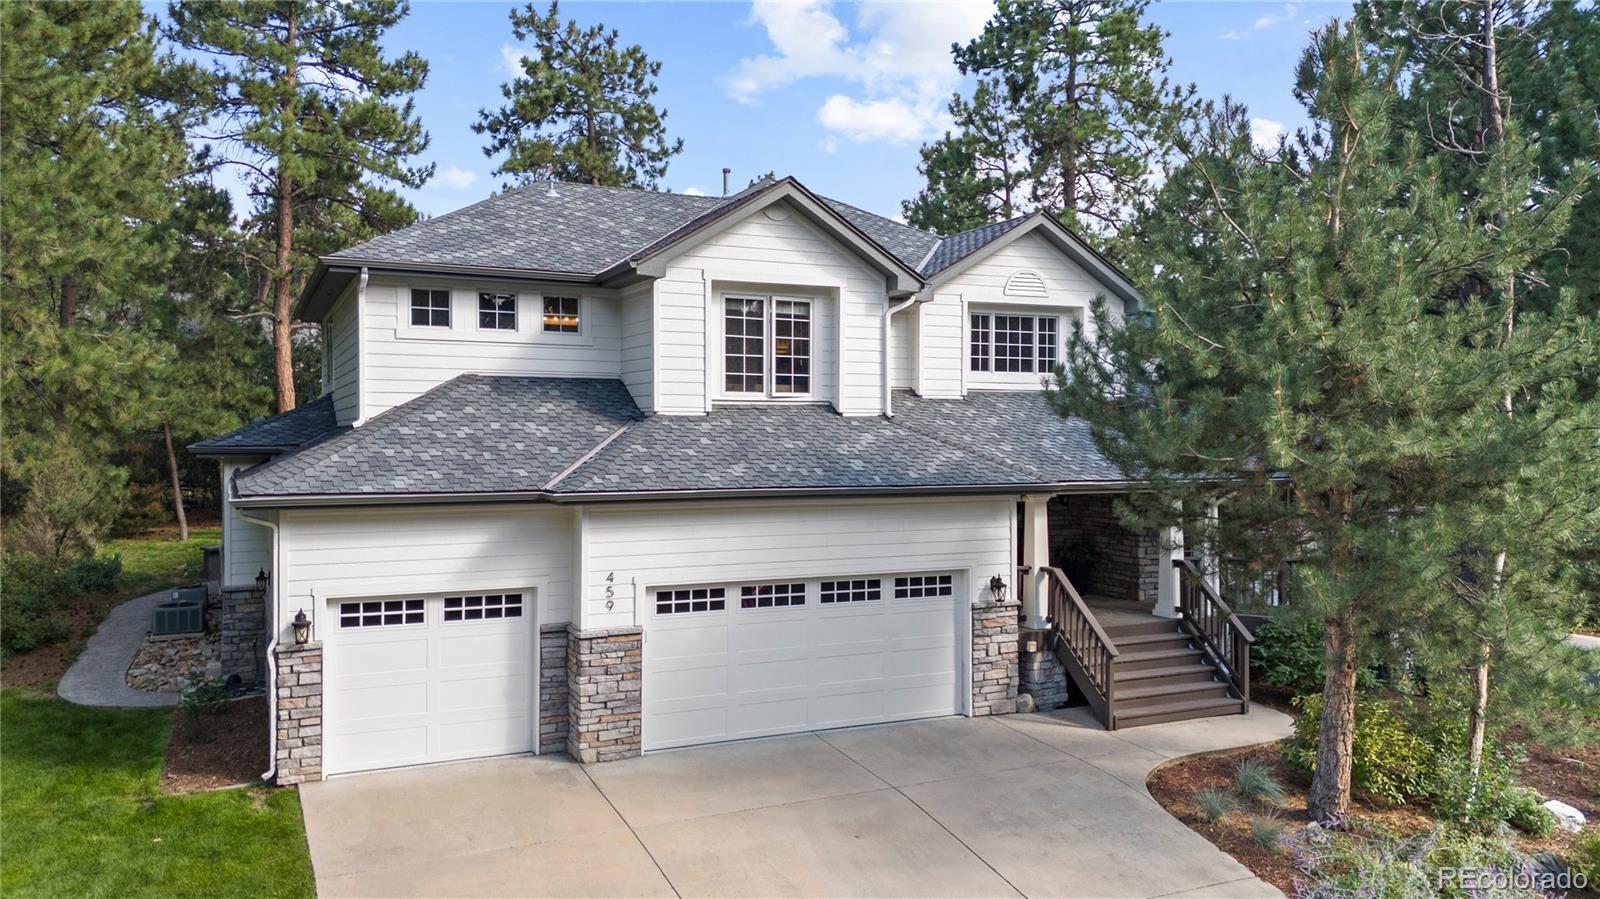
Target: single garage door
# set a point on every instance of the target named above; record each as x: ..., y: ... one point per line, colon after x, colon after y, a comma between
x: 427, y: 679
x: 732, y: 661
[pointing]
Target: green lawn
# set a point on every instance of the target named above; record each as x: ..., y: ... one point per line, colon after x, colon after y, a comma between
x: 80, y: 815
x: 151, y: 562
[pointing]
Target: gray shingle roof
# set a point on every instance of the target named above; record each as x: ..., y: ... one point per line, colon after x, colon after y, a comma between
x: 495, y: 434
x: 908, y: 243
x: 472, y: 434
x: 277, y: 433
x: 957, y: 247
x: 583, y: 229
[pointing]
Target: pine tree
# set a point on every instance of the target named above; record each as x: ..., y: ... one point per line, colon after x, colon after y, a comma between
x: 1080, y: 85
x: 583, y: 106
x: 1313, y: 354
x: 300, y: 97
x: 976, y: 175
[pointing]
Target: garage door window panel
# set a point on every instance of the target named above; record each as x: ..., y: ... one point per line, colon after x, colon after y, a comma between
x: 922, y: 586
x: 771, y: 596
x: 382, y: 613
x: 691, y: 600
x: 860, y: 590
x: 489, y: 607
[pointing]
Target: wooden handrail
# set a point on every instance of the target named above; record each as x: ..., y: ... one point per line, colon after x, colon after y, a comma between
x: 1205, y: 585
x: 1215, y: 627
x: 1082, y: 646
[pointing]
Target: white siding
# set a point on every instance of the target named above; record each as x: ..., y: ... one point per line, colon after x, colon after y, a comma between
x: 1070, y: 289
x: 780, y: 255
x: 903, y: 352
x: 342, y: 318
x: 403, y: 362
x: 635, y: 548
x: 246, y: 546
x: 638, y: 344
x: 333, y: 554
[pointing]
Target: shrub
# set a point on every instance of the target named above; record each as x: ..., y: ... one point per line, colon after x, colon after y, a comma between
x: 1528, y: 815
x: 1495, y: 800
x: 1288, y: 654
x: 1390, y: 763
x: 32, y: 590
x: 1586, y: 855
x: 1343, y: 865
x: 1215, y: 804
x: 1266, y: 830
x: 203, y: 697
x: 1257, y: 784
x: 71, y: 500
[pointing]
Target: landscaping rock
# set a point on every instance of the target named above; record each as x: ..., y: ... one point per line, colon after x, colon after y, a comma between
x: 1025, y: 704
x: 166, y: 664
x: 1567, y: 817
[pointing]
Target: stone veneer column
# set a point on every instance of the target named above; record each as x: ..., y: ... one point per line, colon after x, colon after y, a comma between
x: 242, y: 633
x: 299, y: 713
x: 1042, y: 675
x: 552, y: 688
x: 603, y: 705
x: 994, y: 658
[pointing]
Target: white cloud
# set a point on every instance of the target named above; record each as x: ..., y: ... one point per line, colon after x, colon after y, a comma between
x: 1264, y: 133
x: 1269, y: 20
x: 1230, y: 35
x: 457, y: 178
x: 693, y: 192
x: 829, y: 145
x: 898, y: 58
x: 511, y: 58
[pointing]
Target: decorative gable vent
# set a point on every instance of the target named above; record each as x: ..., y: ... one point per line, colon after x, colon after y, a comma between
x: 1025, y: 283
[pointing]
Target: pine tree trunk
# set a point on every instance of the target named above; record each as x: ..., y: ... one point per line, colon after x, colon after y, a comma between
x: 69, y: 299
x: 1328, y: 801
x: 282, y: 330
x: 177, y: 485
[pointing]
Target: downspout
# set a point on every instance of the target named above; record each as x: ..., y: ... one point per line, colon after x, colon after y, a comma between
x: 272, y: 646
x: 361, y: 350
x: 888, y: 378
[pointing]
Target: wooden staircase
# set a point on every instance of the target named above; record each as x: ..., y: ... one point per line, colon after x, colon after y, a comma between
x: 1139, y: 669
x: 1160, y: 675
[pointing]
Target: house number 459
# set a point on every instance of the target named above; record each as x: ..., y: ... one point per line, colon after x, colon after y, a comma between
x: 611, y: 590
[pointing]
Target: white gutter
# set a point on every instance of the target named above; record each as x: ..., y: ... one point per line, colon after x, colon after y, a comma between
x: 361, y: 350
x: 888, y: 379
x: 271, y: 613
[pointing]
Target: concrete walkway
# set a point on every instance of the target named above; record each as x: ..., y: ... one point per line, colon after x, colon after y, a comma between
x: 100, y: 675
x: 1033, y: 805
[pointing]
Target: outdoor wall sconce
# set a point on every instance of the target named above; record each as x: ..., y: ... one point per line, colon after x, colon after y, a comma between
x: 302, y: 628
x: 997, y: 588
x: 261, y: 580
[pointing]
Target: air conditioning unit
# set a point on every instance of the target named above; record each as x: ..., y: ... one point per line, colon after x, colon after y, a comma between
x: 184, y: 613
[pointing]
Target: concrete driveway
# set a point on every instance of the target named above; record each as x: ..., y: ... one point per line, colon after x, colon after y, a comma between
x: 1036, y: 805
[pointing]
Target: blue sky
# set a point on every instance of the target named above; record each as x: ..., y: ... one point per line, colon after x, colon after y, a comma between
x: 840, y: 95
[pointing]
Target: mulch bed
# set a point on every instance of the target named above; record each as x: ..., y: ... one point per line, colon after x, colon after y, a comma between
x: 1570, y: 774
x: 1175, y: 786
x: 44, y: 666
x: 228, y: 749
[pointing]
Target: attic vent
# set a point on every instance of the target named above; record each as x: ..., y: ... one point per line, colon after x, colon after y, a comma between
x: 1025, y: 284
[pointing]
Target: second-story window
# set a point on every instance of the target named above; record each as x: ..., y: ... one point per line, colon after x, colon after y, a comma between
x: 1013, y: 343
x: 766, y: 346
x: 561, y: 315
x: 430, y: 308
x: 497, y: 311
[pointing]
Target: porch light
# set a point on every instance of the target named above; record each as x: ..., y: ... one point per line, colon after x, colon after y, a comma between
x: 302, y: 628
x: 997, y: 588
x: 261, y: 581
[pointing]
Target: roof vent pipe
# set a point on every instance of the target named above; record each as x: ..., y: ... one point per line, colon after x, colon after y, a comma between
x: 725, y: 173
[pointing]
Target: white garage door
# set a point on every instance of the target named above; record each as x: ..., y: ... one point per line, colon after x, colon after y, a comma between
x: 427, y: 679
x: 732, y: 661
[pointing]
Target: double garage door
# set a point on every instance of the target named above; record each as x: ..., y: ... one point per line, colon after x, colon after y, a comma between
x: 412, y: 680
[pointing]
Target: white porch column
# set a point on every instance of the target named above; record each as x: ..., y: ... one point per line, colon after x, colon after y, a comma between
x: 1171, y: 550
x: 1035, y: 555
x: 1213, y: 565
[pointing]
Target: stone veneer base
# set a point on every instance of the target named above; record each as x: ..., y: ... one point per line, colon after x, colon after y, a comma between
x: 242, y: 633
x: 299, y: 713
x: 552, y: 688
x: 603, y: 696
x: 1042, y: 675
x: 994, y: 658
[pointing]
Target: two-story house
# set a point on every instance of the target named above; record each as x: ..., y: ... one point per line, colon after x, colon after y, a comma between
x: 606, y: 471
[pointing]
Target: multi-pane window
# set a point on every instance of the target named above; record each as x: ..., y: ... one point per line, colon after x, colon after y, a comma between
x: 561, y: 315
x: 490, y: 606
x: 430, y: 308
x: 381, y: 612
x: 791, y: 346
x: 862, y: 590
x: 919, y: 586
x: 497, y: 311
x: 1014, y: 343
x: 695, y: 599
x: 768, y: 596
x: 744, y: 321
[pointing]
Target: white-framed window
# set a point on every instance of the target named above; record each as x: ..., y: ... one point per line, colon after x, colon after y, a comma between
x: 766, y: 346
x: 487, y: 607
x: 561, y: 315
x: 382, y: 612
x: 691, y: 599
x: 1006, y: 343
x: 770, y: 596
x: 497, y: 311
x: 859, y: 590
x: 430, y: 308
x: 921, y: 586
